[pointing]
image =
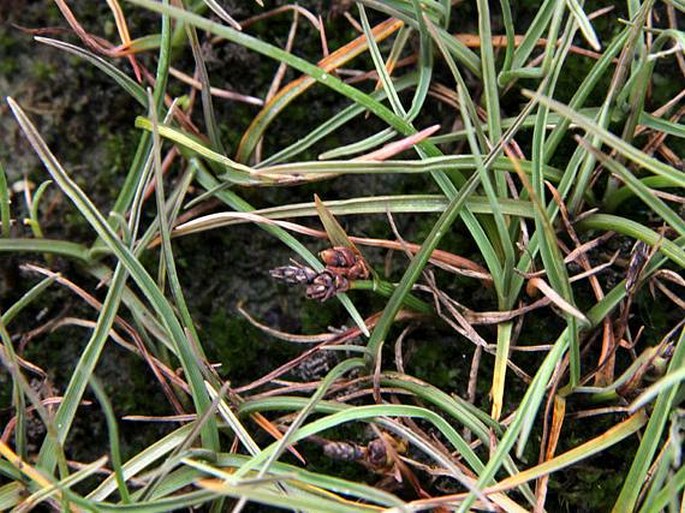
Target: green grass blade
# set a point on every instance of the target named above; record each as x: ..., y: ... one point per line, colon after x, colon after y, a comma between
x: 11, y: 494
x: 46, y: 246
x: 288, y: 437
x: 26, y: 299
x: 138, y: 273
x: 415, y: 268
x: 235, y: 172
x: 552, y: 258
x: 34, y: 219
x: 662, y: 125
x: 489, y: 79
x: 421, y: 203
x: 668, y: 494
x: 427, y: 165
x: 126, y: 83
x: 654, y: 203
x: 378, y: 412
x: 510, y: 32
x: 141, y: 461
x: 425, y: 64
x: 205, y: 93
x: 113, y: 432
x: 578, y: 454
x: 359, y: 146
x: 532, y: 35
x: 652, y: 437
x: 676, y: 177
x: 655, y: 389
x: 4, y: 203
x: 232, y: 421
x: 636, y: 230
x: 267, y: 496
x: 584, y: 23
x: 167, y: 252
x: 379, y: 64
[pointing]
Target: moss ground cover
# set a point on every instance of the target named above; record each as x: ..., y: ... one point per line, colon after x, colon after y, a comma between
x: 501, y: 204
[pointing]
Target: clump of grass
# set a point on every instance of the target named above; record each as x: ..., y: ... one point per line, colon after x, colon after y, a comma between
x: 538, y: 194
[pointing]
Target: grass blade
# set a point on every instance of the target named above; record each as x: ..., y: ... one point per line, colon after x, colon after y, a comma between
x: 138, y: 273
x: 638, y: 471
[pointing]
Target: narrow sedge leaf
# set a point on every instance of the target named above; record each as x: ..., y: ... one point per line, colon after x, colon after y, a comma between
x: 429, y: 164
x: 365, y: 144
x: 662, y: 125
x: 336, y: 233
x: 670, y: 380
x: 26, y: 299
x: 376, y: 413
x: 221, y: 13
x: 113, y: 432
x: 489, y: 76
x: 637, y: 475
x: 11, y: 494
x: 532, y: 35
x: 237, y: 172
x: 142, y: 460
x: 336, y: 121
x: 35, y: 204
x: 499, y: 372
x: 4, y: 203
x: 46, y: 246
x: 676, y: 177
x: 192, y: 357
x: 673, y: 486
x: 208, y: 110
x: 584, y: 23
x: 380, y: 66
x: 227, y: 414
x: 357, y: 206
x: 611, y: 437
x: 305, y: 501
x: 606, y: 222
x: 138, y: 273
x: 316, y: 479
x: 24, y: 467
x: 615, y: 198
x: 62, y: 487
x: 655, y: 203
x: 129, y: 85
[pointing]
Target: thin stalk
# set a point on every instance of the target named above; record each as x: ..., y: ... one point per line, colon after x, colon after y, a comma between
x: 4, y: 203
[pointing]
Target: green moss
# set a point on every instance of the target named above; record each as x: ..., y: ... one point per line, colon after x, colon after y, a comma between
x: 43, y: 70
x: 440, y: 362
x: 587, y: 489
x: 240, y: 348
